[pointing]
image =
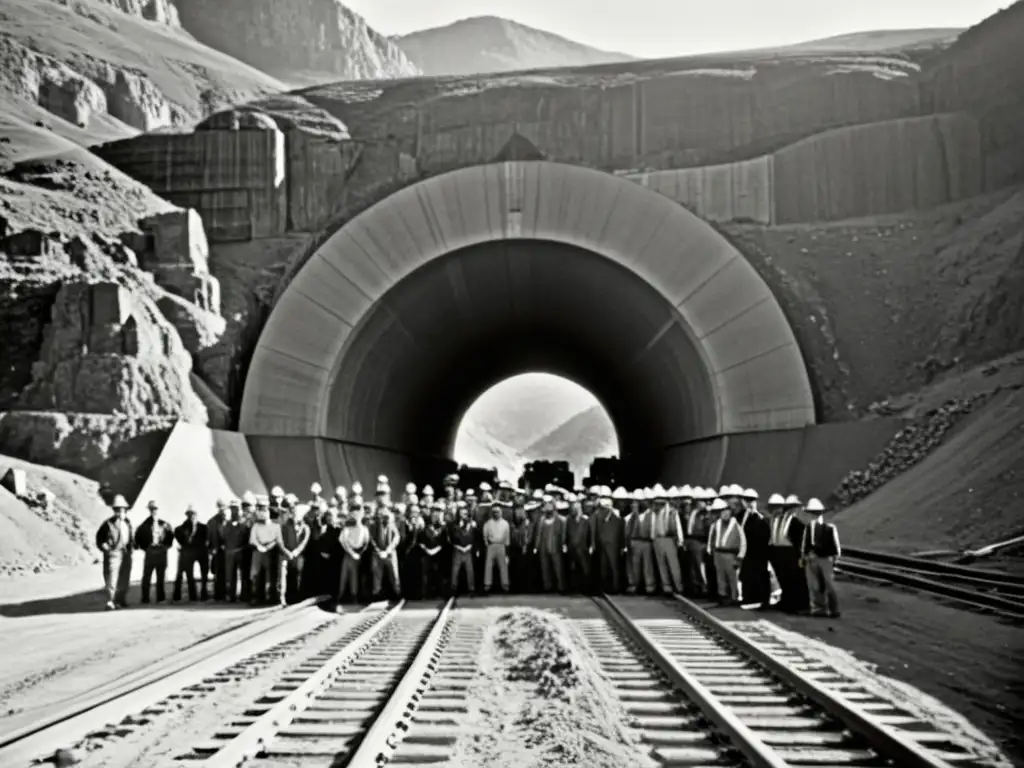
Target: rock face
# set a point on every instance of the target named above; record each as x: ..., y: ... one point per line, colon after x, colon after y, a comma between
x: 491, y: 44
x: 160, y: 11
x: 291, y: 40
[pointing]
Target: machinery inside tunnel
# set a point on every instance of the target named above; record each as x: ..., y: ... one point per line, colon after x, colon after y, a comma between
x: 415, y: 307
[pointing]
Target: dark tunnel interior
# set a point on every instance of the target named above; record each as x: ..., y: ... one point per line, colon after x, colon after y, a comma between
x: 455, y: 327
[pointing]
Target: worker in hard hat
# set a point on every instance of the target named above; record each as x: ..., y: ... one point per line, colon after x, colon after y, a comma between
x: 668, y: 540
x: 384, y: 541
x: 609, y: 533
x: 277, y: 504
x: 214, y: 527
x: 193, y: 552
x: 820, y: 549
x: 154, y: 537
x: 639, y: 541
x: 115, y: 540
x: 727, y: 546
x: 754, y: 581
x: 315, y: 491
x: 550, y: 545
x: 294, y: 540
x: 354, y: 538
x: 786, y: 531
x: 264, y: 541
x: 462, y: 538
x: 234, y: 537
x: 693, y: 516
x: 248, y: 518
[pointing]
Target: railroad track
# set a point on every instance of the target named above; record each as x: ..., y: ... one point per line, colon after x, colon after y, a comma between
x: 395, y: 688
x: 998, y: 594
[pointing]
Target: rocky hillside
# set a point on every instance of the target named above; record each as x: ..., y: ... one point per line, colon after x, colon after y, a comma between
x: 881, y: 41
x: 96, y: 69
x: 490, y: 44
x: 579, y: 440
x: 298, y: 42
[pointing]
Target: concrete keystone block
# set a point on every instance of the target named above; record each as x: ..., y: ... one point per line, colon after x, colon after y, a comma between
x: 110, y: 304
x: 179, y: 240
x: 15, y: 481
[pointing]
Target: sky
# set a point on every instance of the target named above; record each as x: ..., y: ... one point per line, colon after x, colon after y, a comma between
x: 665, y: 28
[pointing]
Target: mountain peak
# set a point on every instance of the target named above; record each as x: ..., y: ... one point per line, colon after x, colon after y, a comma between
x: 481, y: 44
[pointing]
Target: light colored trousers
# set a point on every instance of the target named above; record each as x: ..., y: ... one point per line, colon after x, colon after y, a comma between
x: 497, y: 554
x: 728, y: 575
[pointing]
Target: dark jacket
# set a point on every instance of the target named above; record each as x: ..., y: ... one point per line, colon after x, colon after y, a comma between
x: 108, y: 537
x: 188, y: 539
x: 150, y: 535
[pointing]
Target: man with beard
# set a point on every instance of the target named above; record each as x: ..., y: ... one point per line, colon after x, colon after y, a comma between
x: 294, y: 540
x: 354, y: 539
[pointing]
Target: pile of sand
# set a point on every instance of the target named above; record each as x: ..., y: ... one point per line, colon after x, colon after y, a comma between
x: 541, y: 702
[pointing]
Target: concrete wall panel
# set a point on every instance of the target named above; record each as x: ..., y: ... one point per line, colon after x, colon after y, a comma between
x: 878, y: 168
x: 729, y: 192
x: 699, y: 463
x: 830, y: 451
x: 764, y: 461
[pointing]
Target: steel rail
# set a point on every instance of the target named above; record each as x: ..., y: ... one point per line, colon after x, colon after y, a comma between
x: 882, y: 739
x: 992, y: 584
x: 929, y: 566
x: 77, y: 716
x: 1003, y: 606
x: 743, y: 738
x: 262, y: 732
x: 378, y: 742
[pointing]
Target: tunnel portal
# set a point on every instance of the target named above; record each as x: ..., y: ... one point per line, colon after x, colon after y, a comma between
x: 413, y: 308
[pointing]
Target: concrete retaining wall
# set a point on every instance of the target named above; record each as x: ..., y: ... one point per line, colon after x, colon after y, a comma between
x: 888, y: 167
x: 234, y: 179
x: 730, y: 192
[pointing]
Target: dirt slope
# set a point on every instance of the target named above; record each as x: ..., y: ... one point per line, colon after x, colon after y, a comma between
x: 967, y: 493
x: 33, y: 539
x: 491, y: 44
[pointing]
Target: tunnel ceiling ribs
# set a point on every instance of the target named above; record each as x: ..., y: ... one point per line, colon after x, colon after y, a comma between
x: 414, y: 307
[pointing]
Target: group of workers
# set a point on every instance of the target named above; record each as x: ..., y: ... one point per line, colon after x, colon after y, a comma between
x: 693, y: 541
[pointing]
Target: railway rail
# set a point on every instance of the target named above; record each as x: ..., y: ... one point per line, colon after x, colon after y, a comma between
x: 995, y: 593
x: 394, y: 689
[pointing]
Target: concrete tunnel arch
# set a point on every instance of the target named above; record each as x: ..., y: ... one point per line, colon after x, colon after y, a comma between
x: 414, y: 307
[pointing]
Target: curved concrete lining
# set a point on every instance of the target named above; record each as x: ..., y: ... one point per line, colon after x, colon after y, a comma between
x: 417, y: 305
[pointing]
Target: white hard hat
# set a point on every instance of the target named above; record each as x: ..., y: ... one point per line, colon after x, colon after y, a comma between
x: 604, y: 501
x: 718, y: 505
x: 410, y: 487
x: 249, y: 498
x: 315, y: 488
x: 673, y: 493
x: 686, y: 492
x: 709, y: 493
x: 725, y: 490
x: 657, y: 492
x: 485, y: 486
x: 737, y: 490
x: 620, y: 493
x: 638, y: 494
x: 595, y: 490
x: 776, y: 500
x: 792, y: 501
x: 547, y: 498
x: 561, y: 505
x: 119, y: 502
x: 815, y: 505
x: 340, y: 492
x: 357, y: 488
x: 538, y: 494
x: 751, y: 494
x: 382, y: 479
x: 277, y: 491
x: 302, y: 510
x: 428, y: 490
x: 292, y: 499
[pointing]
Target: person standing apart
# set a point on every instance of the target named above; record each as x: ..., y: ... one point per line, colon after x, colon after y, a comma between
x: 114, y: 538
x: 819, y: 551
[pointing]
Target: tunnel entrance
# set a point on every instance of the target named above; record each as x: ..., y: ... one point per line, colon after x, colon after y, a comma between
x: 535, y: 416
x: 388, y: 333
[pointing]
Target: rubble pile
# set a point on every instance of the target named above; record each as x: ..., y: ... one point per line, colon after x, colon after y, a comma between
x: 542, y: 702
x: 908, y: 447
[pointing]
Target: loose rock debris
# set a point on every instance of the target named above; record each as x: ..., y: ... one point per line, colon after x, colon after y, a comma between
x: 540, y: 701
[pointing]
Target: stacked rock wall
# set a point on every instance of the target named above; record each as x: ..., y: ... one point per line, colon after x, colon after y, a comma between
x: 234, y: 179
